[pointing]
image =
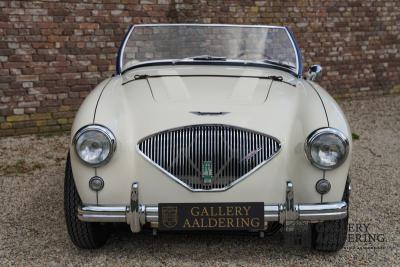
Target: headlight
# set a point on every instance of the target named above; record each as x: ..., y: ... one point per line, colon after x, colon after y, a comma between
x: 94, y: 144
x: 327, y: 148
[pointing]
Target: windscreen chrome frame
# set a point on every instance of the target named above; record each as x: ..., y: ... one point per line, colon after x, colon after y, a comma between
x: 119, y: 61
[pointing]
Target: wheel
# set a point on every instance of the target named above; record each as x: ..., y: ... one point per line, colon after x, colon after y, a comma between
x: 86, y: 235
x: 330, y: 236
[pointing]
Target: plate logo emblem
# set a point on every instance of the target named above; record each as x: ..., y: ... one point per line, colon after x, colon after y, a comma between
x: 207, y: 172
x: 170, y: 216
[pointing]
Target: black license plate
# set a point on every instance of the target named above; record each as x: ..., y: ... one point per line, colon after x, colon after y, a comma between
x: 211, y: 216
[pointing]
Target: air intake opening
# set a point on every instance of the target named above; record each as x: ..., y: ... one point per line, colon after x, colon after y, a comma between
x: 209, y: 157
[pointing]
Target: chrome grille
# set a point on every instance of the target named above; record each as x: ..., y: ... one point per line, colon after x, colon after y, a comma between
x: 208, y: 157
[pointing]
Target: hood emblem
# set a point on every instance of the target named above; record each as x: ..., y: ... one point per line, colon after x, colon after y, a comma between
x: 200, y: 113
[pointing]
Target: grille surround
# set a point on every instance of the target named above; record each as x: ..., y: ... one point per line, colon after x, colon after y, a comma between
x: 158, y: 157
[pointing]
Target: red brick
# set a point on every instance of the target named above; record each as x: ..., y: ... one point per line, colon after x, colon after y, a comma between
x: 55, y: 53
x: 88, y: 26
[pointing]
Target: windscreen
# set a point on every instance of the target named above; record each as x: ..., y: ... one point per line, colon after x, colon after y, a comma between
x: 257, y: 44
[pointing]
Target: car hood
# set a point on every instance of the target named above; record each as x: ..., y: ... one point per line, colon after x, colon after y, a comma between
x: 134, y: 109
x: 137, y: 108
x: 209, y: 92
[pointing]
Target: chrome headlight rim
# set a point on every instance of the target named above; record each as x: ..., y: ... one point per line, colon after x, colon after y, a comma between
x: 103, y: 130
x: 317, y: 133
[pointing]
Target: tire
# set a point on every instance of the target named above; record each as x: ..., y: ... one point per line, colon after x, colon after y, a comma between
x: 330, y: 236
x: 85, y: 235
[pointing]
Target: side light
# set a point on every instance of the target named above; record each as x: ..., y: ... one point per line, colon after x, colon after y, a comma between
x: 323, y: 186
x: 96, y: 183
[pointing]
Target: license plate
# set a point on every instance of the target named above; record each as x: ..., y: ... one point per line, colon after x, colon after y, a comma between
x: 211, y: 216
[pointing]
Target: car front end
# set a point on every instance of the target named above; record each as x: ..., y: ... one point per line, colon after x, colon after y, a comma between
x: 210, y: 144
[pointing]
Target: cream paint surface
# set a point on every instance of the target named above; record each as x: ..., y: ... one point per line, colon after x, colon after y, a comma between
x: 132, y: 111
x: 245, y: 91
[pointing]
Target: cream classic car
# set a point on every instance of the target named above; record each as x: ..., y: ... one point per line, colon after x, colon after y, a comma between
x: 209, y: 127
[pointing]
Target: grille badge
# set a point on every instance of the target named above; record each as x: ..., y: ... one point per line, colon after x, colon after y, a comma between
x: 207, y: 172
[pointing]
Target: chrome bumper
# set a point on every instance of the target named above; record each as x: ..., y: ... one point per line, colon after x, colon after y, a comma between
x: 137, y: 214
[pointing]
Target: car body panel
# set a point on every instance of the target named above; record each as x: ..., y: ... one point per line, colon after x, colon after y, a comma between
x: 224, y: 90
x: 337, y: 120
x: 133, y: 109
x: 85, y: 116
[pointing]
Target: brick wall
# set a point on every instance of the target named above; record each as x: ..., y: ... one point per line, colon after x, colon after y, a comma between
x: 52, y: 53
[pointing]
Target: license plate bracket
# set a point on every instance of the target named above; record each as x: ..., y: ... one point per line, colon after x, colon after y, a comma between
x: 211, y: 216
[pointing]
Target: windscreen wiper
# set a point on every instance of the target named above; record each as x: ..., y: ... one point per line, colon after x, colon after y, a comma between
x: 276, y: 62
x: 272, y: 77
x: 207, y: 57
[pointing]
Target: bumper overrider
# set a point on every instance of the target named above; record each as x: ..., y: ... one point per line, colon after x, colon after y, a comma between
x: 137, y: 214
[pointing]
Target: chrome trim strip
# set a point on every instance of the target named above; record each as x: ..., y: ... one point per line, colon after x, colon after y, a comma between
x: 229, y: 62
x: 271, y: 213
x: 122, y: 48
x: 289, y: 210
x: 208, y: 25
x: 299, y: 63
x: 137, y: 214
x: 200, y: 113
x: 330, y: 211
x: 232, y: 131
x: 307, y: 212
x: 102, y: 213
x: 134, y: 209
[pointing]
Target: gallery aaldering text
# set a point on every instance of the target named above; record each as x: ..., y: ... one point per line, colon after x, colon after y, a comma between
x: 359, y: 232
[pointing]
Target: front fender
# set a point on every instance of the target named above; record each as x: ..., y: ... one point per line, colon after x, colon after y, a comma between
x: 85, y: 116
x: 336, y: 119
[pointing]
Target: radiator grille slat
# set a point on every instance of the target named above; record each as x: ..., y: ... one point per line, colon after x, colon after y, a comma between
x: 193, y: 154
